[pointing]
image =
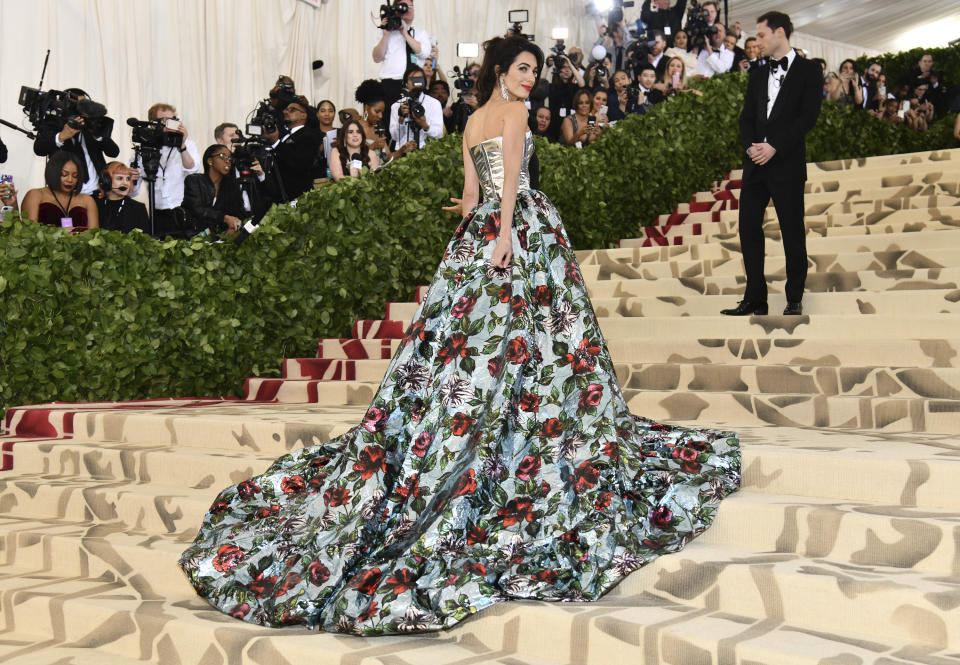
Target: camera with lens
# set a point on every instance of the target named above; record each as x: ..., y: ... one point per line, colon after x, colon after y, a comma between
x: 266, y: 118
x: 283, y: 93
x: 153, y: 134
x: 42, y: 105
x: 698, y: 28
x: 411, y: 97
x: 252, y: 148
x: 462, y: 82
x: 393, y: 15
x: 637, y: 54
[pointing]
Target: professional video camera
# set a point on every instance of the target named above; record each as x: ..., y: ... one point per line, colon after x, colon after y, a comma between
x: 638, y: 54
x: 283, y: 93
x: 393, y: 15
x: 266, y: 117
x: 697, y: 28
x: 42, y: 105
x: 516, y: 18
x: 152, y: 134
x: 461, y: 81
x: 250, y: 148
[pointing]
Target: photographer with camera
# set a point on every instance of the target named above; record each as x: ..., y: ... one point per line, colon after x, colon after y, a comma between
x: 599, y: 74
x: 212, y: 200
x: 117, y: 211
x: 86, y: 134
x: 60, y: 202
x: 456, y: 116
x: 400, y: 46
x: 565, y: 81
x: 715, y: 57
x: 296, y: 152
x: 416, y: 116
x: 659, y: 15
x: 371, y: 96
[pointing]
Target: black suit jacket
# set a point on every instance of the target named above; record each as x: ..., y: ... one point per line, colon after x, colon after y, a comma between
x: 296, y: 157
x: 202, y: 212
x: 793, y: 115
x: 672, y: 18
x: 46, y: 145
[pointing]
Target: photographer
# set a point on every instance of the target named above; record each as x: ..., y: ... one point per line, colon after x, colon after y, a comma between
x: 599, y: 75
x: 61, y: 203
x: 659, y: 15
x: 648, y: 95
x: 674, y: 80
x: 564, y: 84
x: 85, y: 136
x: 117, y: 211
x: 715, y: 57
x: 296, y: 152
x: 440, y: 90
x: 398, y: 47
x: 225, y: 133
x: 212, y: 199
x: 658, y: 47
x: 416, y: 116
x: 613, y: 39
x: 351, y: 155
x: 926, y: 73
x: 283, y: 92
x: 175, y: 165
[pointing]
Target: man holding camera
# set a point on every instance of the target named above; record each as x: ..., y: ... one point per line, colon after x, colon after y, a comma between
x: 296, y: 151
x: 399, y: 47
x: 715, y: 57
x: 659, y: 15
x: 87, y: 138
x: 416, y: 116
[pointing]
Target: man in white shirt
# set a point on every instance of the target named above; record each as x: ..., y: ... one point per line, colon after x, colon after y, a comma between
x: 396, y: 50
x: 410, y: 131
x: 175, y: 165
x: 715, y: 57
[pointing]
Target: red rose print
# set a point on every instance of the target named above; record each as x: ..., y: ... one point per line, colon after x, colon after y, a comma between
x: 699, y: 446
x: 366, y: 581
x: 553, y: 428
x: 661, y: 517
x: 403, y: 580
x: 370, y: 612
x: 582, y: 360
x: 219, y: 505
x: 461, y: 423
x: 585, y: 477
x: 416, y: 330
x: 573, y: 274
x: 544, y: 487
x: 247, y: 489
x: 319, y: 462
x: 456, y: 345
x: 548, y: 576
x: 518, y: 305
x: 227, y: 558
x: 591, y: 395
x: 422, y: 444
x: 291, y: 580
x: 268, y: 511
x: 451, y: 580
x: 239, y: 611
x: 517, y: 510
x: 336, y: 496
x: 528, y: 468
x: 476, y: 569
x: 262, y: 586
x: 495, y: 366
x: 685, y: 454
x: 410, y: 488
x: 463, y: 307
x: 293, y: 485
x: 559, y: 235
x: 505, y: 292
x: 370, y: 460
x: 522, y: 237
x: 517, y: 352
x: 612, y: 449
x: 652, y: 543
x: 476, y: 535
x: 570, y: 536
x: 544, y: 296
x: 317, y: 573
x: 466, y: 484
x: 530, y: 402
x: 603, y: 501
x: 491, y: 228
x: 375, y: 420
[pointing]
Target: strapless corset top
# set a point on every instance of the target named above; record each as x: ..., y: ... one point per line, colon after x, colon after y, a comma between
x: 488, y: 159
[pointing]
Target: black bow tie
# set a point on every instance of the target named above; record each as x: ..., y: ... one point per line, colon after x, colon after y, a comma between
x: 782, y: 63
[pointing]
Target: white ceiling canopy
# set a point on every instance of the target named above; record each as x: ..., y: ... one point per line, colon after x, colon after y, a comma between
x: 881, y: 25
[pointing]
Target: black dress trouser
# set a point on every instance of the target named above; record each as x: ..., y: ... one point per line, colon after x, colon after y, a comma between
x: 788, y: 202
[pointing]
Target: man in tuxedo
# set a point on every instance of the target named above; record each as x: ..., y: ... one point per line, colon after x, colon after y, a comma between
x: 76, y: 137
x: 781, y: 106
x: 296, y: 151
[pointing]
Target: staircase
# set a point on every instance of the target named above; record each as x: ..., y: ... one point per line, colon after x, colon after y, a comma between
x: 842, y: 548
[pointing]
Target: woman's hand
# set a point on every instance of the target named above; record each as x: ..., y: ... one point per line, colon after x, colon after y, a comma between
x: 456, y: 208
x: 233, y: 224
x: 503, y: 253
x: 8, y: 195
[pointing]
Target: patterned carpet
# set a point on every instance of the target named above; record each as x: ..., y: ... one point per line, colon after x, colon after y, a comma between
x: 842, y: 549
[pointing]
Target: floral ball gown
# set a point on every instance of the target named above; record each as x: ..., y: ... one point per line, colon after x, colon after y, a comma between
x: 498, y: 460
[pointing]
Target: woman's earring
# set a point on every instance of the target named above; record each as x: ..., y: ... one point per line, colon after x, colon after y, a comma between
x: 503, y: 90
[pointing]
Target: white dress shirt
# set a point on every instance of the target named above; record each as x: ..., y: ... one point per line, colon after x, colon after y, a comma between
x: 394, y: 64
x: 774, y: 81
x: 433, y: 112
x: 717, y: 62
x: 170, y: 176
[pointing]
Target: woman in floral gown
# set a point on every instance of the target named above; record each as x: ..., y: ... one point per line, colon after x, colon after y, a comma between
x: 498, y: 459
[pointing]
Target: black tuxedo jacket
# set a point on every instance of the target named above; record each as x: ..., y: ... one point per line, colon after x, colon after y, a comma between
x: 46, y: 145
x: 793, y: 115
x: 296, y: 157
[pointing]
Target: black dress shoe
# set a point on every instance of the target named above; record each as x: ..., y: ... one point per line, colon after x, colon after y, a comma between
x: 746, y: 308
x: 793, y: 309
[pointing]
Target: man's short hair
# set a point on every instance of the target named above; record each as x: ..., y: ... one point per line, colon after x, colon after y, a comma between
x: 440, y: 83
x: 414, y: 69
x: 748, y: 40
x: 657, y: 33
x: 221, y: 129
x: 776, y: 20
x: 711, y: 2
x: 153, y: 111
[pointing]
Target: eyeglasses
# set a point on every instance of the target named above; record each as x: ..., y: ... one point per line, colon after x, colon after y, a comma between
x: 226, y: 158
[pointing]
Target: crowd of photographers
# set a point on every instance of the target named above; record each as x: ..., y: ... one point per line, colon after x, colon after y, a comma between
x: 288, y: 144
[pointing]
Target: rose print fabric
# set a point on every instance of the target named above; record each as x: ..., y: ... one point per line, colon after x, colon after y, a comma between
x: 497, y: 461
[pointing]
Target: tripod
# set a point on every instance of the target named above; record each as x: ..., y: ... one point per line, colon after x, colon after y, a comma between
x: 149, y: 157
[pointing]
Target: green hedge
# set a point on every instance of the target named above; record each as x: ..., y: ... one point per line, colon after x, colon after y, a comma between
x: 104, y: 315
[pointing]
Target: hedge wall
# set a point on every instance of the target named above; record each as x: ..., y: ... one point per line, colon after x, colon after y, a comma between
x: 103, y: 315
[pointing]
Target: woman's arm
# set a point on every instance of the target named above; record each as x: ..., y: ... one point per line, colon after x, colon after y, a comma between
x: 336, y: 168
x: 857, y: 92
x: 374, y: 161
x: 514, y: 134
x: 93, y: 215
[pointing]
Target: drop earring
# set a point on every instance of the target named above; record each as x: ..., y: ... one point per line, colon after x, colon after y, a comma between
x: 503, y: 90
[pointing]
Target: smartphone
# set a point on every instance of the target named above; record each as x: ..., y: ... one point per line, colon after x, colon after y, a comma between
x: 603, y: 110
x: 592, y: 120
x: 676, y: 79
x: 4, y: 179
x: 906, y: 107
x: 172, y: 124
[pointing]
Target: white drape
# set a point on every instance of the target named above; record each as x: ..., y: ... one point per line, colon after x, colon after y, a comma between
x: 213, y: 59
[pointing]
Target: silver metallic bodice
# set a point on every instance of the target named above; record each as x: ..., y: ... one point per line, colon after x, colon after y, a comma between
x: 488, y: 158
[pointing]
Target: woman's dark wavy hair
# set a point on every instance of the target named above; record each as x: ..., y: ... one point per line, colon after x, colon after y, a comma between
x: 370, y: 92
x: 856, y: 69
x: 341, y: 145
x: 51, y: 174
x: 500, y: 53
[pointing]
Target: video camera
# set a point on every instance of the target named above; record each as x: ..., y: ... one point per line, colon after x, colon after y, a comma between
x: 153, y: 134
x: 42, y: 105
x: 637, y: 54
x: 393, y: 14
x: 462, y: 82
x: 697, y: 28
x: 284, y: 93
x: 266, y: 118
x: 250, y: 148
